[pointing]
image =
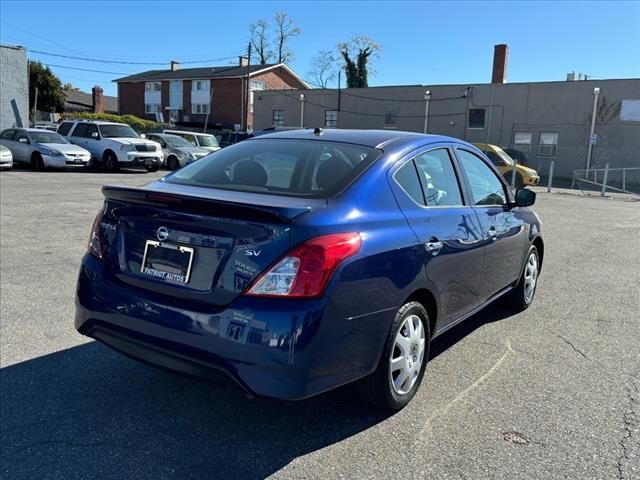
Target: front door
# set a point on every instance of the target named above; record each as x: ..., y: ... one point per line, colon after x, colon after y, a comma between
x: 504, y: 232
x: 428, y: 192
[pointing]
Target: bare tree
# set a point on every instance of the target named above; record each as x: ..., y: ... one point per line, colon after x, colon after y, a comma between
x: 260, y: 41
x: 323, y: 68
x: 357, y: 54
x: 285, y: 30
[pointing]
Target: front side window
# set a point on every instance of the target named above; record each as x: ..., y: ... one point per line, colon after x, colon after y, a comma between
x: 438, y: 179
x: 486, y: 187
x: 117, y: 131
x: 331, y: 118
x: 476, y: 118
x: 152, y: 86
x: 19, y: 135
x: 207, y: 141
x: 548, y: 145
x: 300, y: 168
x: 277, y: 118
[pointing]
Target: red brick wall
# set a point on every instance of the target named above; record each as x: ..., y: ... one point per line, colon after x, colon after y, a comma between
x: 226, y: 106
x: 186, y: 97
x: 131, y: 99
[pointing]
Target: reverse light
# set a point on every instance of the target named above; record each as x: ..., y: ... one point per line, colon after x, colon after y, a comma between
x: 95, y: 244
x: 304, y: 271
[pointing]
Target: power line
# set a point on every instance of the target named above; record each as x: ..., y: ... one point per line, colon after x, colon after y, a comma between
x: 124, y: 62
x: 83, y: 69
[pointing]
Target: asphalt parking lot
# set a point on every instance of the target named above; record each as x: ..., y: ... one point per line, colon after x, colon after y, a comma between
x: 553, y: 392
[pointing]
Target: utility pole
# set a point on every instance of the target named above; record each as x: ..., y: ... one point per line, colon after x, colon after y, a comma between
x: 486, y: 146
x: 206, y: 119
x: 302, y: 110
x: 427, y: 100
x: 596, y: 94
x: 248, y: 92
x: 339, y: 97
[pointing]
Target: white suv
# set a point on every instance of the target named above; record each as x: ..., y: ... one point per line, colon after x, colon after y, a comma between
x: 113, y: 145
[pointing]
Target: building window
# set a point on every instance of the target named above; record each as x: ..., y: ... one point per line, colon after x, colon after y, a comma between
x: 152, y: 108
x: 389, y: 119
x: 522, y: 141
x: 330, y: 118
x: 153, y: 86
x: 548, y: 145
x: 202, y: 108
x: 257, y: 85
x: 200, y: 85
x: 277, y: 118
x: 476, y: 118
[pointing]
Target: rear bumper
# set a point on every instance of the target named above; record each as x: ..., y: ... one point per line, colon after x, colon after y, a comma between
x: 278, y: 348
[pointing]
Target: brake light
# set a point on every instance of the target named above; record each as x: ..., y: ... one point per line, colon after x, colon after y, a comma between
x: 95, y: 244
x: 304, y: 271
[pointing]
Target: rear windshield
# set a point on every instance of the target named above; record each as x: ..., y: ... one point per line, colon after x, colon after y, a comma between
x: 301, y: 168
x: 207, y: 141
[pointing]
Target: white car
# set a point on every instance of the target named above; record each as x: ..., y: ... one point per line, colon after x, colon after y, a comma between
x: 113, y: 145
x: 6, y: 158
x: 42, y: 148
x: 202, y: 140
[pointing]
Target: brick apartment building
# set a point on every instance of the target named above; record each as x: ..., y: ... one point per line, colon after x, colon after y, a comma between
x: 187, y: 96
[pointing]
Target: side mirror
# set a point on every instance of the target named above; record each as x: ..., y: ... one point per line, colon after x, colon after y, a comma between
x: 95, y: 135
x: 23, y: 140
x: 142, y: 135
x: 525, y: 197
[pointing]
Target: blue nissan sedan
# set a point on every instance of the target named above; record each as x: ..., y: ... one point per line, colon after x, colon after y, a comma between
x: 300, y: 261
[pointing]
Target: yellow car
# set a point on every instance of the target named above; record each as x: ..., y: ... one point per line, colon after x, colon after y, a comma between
x: 504, y: 163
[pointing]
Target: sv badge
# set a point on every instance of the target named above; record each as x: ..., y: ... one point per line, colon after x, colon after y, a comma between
x: 252, y: 253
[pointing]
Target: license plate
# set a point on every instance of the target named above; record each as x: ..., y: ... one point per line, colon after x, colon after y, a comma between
x: 148, y: 161
x: 77, y: 160
x: 166, y: 261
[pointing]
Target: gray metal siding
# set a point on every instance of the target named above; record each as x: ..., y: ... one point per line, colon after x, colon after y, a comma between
x: 14, y: 88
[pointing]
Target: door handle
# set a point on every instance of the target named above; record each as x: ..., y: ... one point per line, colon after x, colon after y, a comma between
x: 433, y: 246
x: 492, y: 233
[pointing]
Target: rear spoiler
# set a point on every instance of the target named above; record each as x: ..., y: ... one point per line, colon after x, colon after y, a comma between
x: 210, y: 205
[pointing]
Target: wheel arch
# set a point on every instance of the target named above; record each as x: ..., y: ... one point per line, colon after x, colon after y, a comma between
x: 108, y: 150
x: 428, y: 301
x: 539, y: 244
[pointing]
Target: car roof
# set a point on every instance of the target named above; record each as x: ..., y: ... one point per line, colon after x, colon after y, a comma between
x: 369, y: 138
x: 186, y: 131
x: 34, y: 129
x: 98, y: 122
x: 164, y: 135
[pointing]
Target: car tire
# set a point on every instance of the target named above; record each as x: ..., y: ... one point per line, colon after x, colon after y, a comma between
x: 173, y: 163
x: 521, y: 297
x: 37, y: 162
x: 110, y: 161
x: 403, y: 361
x: 152, y: 168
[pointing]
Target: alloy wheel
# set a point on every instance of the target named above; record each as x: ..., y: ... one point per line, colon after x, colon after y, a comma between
x: 407, y: 355
x: 530, y: 277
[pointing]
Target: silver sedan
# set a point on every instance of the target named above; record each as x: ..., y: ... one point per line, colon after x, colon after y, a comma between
x: 176, y: 150
x: 42, y: 148
x: 6, y: 158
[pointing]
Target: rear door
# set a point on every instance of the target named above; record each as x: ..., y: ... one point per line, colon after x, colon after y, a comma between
x: 504, y: 232
x: 428, y: 191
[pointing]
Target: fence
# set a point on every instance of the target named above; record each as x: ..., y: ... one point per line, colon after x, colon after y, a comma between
x: 624, y: 180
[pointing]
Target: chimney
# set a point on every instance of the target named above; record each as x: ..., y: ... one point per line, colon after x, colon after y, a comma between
x: 243, y: 61
x: 500, y: 57
x: 97, y: 99
x: 175, y: 65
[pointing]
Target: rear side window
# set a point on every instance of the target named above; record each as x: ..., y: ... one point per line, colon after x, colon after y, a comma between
x: 65, y: 128
x: 302, y: 168
x: 80, y: 130
x: 8, y: 134
x: 407, y: 178
x: 439, y: 181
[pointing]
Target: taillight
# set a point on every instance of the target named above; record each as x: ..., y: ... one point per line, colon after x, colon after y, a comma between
x: 95, y: 244
x: 304, y: 271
